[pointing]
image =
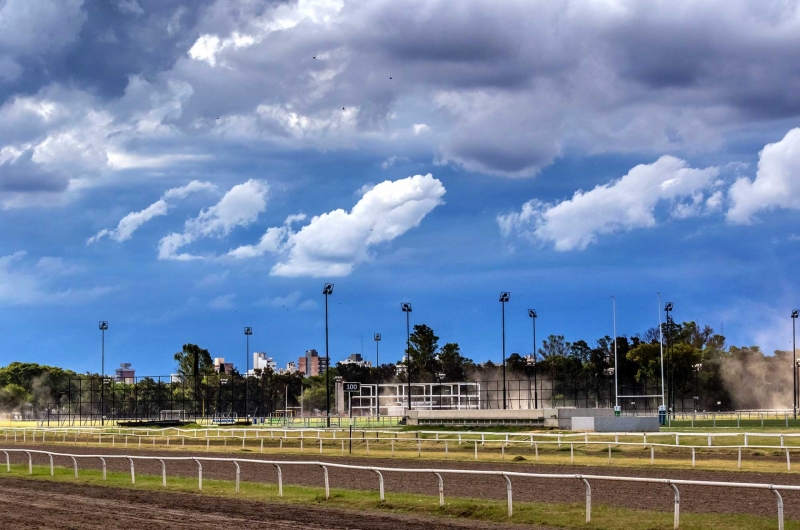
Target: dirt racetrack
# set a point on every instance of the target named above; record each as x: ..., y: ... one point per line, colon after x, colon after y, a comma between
x: 27, y: 504
x: 697, y: 499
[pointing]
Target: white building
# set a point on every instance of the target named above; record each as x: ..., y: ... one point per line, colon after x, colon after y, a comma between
x: 357, y: 359
x: 263, y: 363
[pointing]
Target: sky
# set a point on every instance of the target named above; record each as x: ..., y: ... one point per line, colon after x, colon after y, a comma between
x: 183, y: 169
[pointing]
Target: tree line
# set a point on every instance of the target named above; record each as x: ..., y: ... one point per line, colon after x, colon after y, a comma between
x: 699, y: 366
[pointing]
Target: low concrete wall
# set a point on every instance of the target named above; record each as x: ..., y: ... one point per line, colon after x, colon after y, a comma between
x: 615, y: 424
x: 555, y: 418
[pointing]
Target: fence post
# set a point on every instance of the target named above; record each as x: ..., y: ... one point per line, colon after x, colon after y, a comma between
x: 8, y: 462
x: 510, y: 495
x: 739, y: 463
x: 745, y: 439
x: 327, y: 486
x: 380, y: 483
x: 103, y: 461
x: 280, y: 480
x: 75, y: 466
x: 692, y: 456
x: 788, y: 462
x: 199, y: 474
x: 780, y: 508
x: 588, y: 500
x: 441, y: 489
x: 652, y: 455
x: 476, y: 449
x: 238, y: 472
x: 163, y: 473
x: 503, y: 451
x: 677, y: 517
x: 709, y: 439
x: 571, y: 453
x: 133, y: 472
x: 52, y: 471
x: 536, y: 450
x: 30, y: 463
x: 320, y: 445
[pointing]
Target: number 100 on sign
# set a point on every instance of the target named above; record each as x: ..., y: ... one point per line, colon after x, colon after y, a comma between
x: 352, y: 387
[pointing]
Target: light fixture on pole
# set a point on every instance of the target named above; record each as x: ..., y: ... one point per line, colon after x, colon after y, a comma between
x: 327, y: 290
x: 406, y: 307
x: 377, y: 338
x: 247, y: 332
x: 795, y: 314
x: 504, y: 296
x: 103, y: 327
x: 532, y: 314
x: 617, y: 409
x: 670, y: 362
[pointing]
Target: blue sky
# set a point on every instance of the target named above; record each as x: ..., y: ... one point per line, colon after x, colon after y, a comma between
x: 185, y: 169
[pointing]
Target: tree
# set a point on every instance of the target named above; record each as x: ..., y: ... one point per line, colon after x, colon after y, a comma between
x: 453, y: 364
x: 13, y: 396
x: 423, y: 347
x: 193, y: 361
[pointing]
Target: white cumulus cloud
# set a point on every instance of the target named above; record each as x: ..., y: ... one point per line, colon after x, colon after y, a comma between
x: 239, y: 207
x: 332, y: 244
x: 131, y: 222
x: 776, y: 184
x: 621, y: 205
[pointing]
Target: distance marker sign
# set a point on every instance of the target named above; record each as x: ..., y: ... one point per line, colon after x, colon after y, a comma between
x: 352, y: 387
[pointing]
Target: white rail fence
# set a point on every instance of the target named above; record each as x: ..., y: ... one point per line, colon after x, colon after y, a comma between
x: 443, y: 444
x: 335, y: 433
x: 438, y: 473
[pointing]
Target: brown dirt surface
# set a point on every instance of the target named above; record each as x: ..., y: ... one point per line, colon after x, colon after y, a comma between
x: 28, y: 504
x: 697, y: 499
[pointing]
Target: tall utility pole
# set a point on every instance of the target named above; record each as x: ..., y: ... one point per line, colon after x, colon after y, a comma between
x: 616, y: 366
x: 671, y: 362
x: 504, y: 296
x: 247, y: 332
x: 327, y: 290
x: 795, y: 314
x: 406, y: 307
x: 103, y: 327
x: 532, y: 314
x: 377, y: 338
x: 661, y: 344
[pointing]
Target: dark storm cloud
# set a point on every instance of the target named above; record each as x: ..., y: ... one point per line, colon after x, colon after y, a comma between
x: 114, y: 40
x: 22, y: 175
x: 501, y: 88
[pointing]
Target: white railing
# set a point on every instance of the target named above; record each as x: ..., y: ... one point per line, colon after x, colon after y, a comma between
x: 336, y: 434
x: 438, y: 473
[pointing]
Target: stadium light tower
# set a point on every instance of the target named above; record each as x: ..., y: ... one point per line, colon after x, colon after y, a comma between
x: 327, y: 290
x: 103, y: 326
x: 795, y: 314
x: 377, y: 338
x: 406, y: 307
x: 504, y: 296
x: 670, y: 362
x: 533, y: 315
x: 616, y: 366
x: 247, y: 332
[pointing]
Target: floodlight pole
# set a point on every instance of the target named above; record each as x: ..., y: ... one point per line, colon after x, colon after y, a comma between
x: 533, y: 315
x: 406, y: 307
x: 795, y: 314
x: 661, y: 344
x: 327, y: 290
x: 616, y: 366
x: 504, y: 296
x: 671, y: 397
x: 247, y: 332
x: 377, y: 338
x: 103, y: 327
